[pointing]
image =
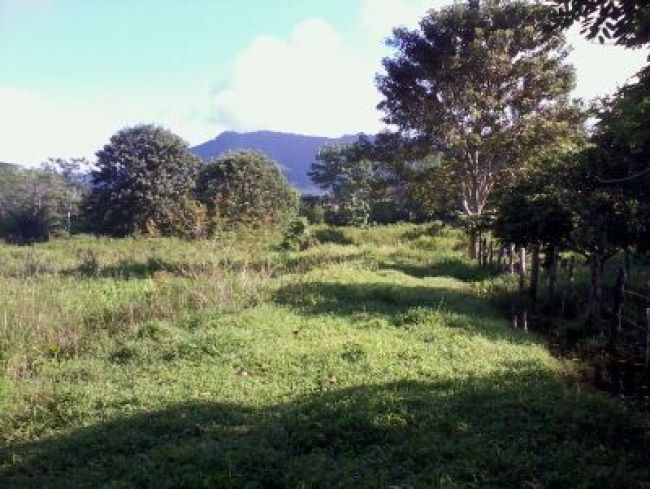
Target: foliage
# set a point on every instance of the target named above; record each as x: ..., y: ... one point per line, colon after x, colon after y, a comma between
x: 245, y: 189
x: 348, y: 175
x: 312, y: 208
x: 297, y: 236
x: 230, y: 363
x: 142, y: 185
x: 484, y: 84
x: 38, y: 203
x: 620, y: 158
x: 626, y: 22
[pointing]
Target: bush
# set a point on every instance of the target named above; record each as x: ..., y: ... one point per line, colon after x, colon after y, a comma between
x: 245, y: 189
x: 312, y: 208
x: 297, y: 237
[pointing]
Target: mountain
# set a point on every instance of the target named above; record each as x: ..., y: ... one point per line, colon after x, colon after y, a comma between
x: 294, y: 152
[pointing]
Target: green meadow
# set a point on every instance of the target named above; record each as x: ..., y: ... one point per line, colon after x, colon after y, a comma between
x: 370, y: 359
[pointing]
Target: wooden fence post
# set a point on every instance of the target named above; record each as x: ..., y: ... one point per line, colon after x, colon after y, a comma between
x: 479, y: 255
x: 522, y: 268
x: 552, y: 273
x: 511, y: 258
x: 647, y: 342
x: 617, y: 311
x: 484, y: 258
x: 534, y: 272
x: 524, y: 319
x: 491, y: 255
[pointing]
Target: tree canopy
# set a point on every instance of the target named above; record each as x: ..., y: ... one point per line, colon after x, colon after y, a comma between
x: 143, y: 184
x: 485, y: 85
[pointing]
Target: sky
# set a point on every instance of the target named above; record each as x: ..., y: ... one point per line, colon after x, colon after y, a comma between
x: 73, y: 72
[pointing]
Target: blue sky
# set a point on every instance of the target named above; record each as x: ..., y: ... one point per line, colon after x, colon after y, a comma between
x: 72, y: 72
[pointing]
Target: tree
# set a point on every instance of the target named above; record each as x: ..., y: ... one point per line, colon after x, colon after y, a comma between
x: 626, y: 22
x: 37, y: 203
x: 143, y: 185
x: 485, y: 85
x: 246, y: 189
x: 348, y: 174
x: 621, y: 157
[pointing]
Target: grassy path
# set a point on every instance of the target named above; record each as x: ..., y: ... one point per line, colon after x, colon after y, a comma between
x: 368, y: 363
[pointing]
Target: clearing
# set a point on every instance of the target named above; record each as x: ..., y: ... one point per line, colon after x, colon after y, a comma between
x: 369, y: 360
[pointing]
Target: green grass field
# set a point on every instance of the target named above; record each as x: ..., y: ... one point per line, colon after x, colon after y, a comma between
x: 370, y: 360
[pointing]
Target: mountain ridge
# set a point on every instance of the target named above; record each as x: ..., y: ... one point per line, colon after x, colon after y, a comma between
x: 293, y: 152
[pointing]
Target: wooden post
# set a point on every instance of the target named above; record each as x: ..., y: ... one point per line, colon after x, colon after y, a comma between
x: 491, y: 255
x: 595, y: 295
x: 511, y: 258
x: 524, y: 320
x: 480, y: 251
x: 617, y: 311
x: 647, y: 342
x: 484, y: 258
x: 552, y: 273
x: 534, y: 272
x: 522, y: 268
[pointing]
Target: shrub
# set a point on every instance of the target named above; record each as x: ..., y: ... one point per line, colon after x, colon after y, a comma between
x: 245, y: 189
x: 297, y: 237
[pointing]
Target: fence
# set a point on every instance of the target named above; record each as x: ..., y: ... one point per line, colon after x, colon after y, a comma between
x: 623, y: 309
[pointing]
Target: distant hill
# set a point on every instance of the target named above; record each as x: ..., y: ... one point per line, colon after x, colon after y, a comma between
x: 294, y: 152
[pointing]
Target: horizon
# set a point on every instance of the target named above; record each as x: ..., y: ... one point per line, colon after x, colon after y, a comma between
x: 77, y: 72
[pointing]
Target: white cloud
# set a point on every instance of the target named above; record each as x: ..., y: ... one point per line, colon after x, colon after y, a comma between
x: 380, y: 17
x: 310, y: 83
x: 318, y: 80
x: 34, y: 127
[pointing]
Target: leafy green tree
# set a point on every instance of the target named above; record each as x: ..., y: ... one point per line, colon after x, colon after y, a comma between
x: 143, y: 184
x: 621, y: 156
x: 312, y: 208
x: 345, y: 171
x: 246, y: 189
x: 37, y: 203
x: 484, y: 84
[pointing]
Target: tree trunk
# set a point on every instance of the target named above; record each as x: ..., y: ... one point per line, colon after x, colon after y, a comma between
x: 552, y: 272
x: 473, y: 243
x: 534, y: 272
x: 595, y: 293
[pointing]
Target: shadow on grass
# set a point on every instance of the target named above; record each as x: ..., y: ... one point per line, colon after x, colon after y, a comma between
x: 128, y: 270
x: 447, y: 267
x: 523, y: 428
x: 399, y: 304
x: 329, y: 235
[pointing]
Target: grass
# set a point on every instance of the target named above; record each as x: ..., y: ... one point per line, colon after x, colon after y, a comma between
x: 370, y: 360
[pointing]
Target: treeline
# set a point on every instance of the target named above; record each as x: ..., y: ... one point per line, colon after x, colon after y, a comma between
x: 145, y: 181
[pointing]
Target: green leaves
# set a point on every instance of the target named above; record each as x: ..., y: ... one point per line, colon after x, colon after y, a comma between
x: 245, y: 189
x: 142, y: 185
x: 472, y: 80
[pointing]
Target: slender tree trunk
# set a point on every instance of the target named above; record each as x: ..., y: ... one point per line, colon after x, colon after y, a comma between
x: 595, y: 292
x: 473, y: 243
x: 552, y: 272
x: 534, y: 271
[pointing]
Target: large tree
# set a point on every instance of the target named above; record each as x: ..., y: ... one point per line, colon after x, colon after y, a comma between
x: 485, y: 84
x: 143, y: 183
